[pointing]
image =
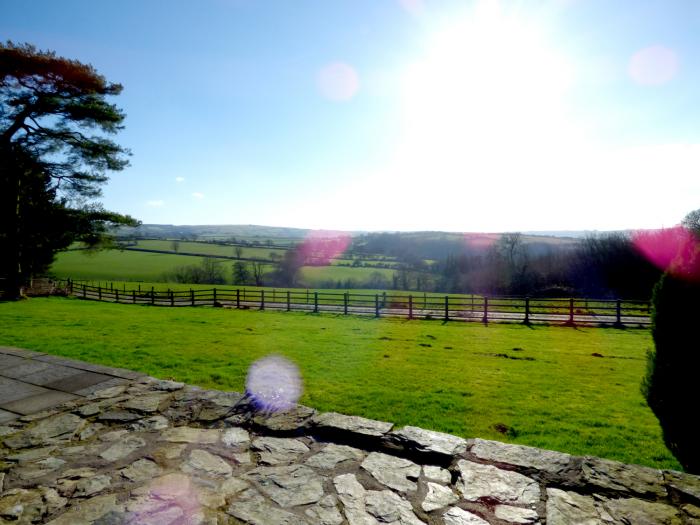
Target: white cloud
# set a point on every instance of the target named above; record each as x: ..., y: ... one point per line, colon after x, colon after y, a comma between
x: 179, y: 179
x: 198, y: 195
x: 155, y: 203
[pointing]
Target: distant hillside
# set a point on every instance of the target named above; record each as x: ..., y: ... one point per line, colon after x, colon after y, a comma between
x: 217, y: 231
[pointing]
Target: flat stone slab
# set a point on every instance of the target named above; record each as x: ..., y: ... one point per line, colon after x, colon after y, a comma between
x: 38, y: 402
x: 479, y: 481
x: 12, y: 390
x: 6, y: 416
x: 20, y: 352
x: 521, y: 456
x: 427, y: 441
x: 340, y: 423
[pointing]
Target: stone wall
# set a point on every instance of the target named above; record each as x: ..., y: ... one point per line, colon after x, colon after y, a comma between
x: 160, y: 452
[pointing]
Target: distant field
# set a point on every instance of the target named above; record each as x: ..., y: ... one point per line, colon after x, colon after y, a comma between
x: 210, y: 249
x: 122, y: 265
x: 542, y: 386
x: 126, y: 265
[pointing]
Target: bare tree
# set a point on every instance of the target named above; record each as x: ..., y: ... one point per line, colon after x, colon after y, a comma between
x: 238, y: 251
x: 258, y: 269
x: 175, y: 245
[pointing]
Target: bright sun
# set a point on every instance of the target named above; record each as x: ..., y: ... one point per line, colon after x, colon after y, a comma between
x: 484, y: 106
x: 486, y: 96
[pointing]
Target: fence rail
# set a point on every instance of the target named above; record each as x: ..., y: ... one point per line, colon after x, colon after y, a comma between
x: 485, y: 309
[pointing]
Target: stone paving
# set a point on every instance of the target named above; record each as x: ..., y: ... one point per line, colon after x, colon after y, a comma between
x: 138, y: 450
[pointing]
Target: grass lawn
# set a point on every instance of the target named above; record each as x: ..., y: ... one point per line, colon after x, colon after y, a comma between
x: 542, y: 386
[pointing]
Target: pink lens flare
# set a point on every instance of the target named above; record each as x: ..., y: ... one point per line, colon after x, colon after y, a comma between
x: 321, y: 247
x: 676, y: 250
x: 170, y: 498
x: 338, y: 81
x: 274, y: 384
x: 653, y: 66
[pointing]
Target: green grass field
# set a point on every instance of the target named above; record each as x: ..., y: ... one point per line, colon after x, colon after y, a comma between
x: 541, y: 385
x: 118, y: 265
x: 209, y: 249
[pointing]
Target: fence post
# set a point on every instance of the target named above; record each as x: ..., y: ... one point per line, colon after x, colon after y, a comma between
x: 238, y: 297
x: 527, y: 311
x: 447, y: 308
x: 191, y: 296
x: 345, y: 303
x: 214, y: 296
x: 274, y: 295
x: 84, y: 292
x: 486, y: 310
x: 262, y: 299
x: 289, y: 301
x: 133, y: 296
x: 376, y: 305
x: 116, y: 295
x: 383, y: 299
x: 315, y: 302
x: 618, y: 311
x: 139, y: 287
x: 99, y: 292
x: 153, y: 296
x: 410, y: 306
x: 172, y: 298
x: 570, y: 322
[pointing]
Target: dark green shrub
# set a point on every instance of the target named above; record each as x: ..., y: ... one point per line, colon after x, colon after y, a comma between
x: 673, y: 369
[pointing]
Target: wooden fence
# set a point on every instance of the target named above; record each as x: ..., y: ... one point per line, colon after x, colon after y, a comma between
x: 480, y: 308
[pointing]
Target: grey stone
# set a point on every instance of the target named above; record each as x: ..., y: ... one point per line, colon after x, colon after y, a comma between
x: 76, y: 382
x: 619, y: 477
x: 518, y: 455
x: 686, y: 485
x: 108, y: 391
x: 150, y: 423
x: 12, y: 390
x: 57, y: 428
x: 640, y: 512
x: 352, y: 495
x: 389, y: 507
x: 191, y: 435
x: 333, y: 454
x: 479, y: 481
x: 88, y: 511
x: 167, y: 386
x: 517, y: 515
x: 6, y: 417
x: 124, y: 448
x: 118, y: 416
x: 285, y: 421
x: 104, y: 388
x: 341, y: 423
x: 396, y: 473
x: 232, y: 486
x: 2, y: 482
x: 114, y: 435
x: 325, y: 512
x: 147, y: 403
x: 564, y: 508
x: 7, y: 430
x: 437, y: 474
x: 22, y: 368
x: 32, y: 454
x: 235, y: 437
x: 457, y: 516
x: 141, y: 470
x: 437, y: 497
x: 288, y: 486
x: 262, y: 513
x: 92, y: 485
x: 427, y: 441
x: 274, y: 451
x: 204, y: 462
x: 22, y: 506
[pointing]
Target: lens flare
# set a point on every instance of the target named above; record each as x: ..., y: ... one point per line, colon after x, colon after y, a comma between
x: 274, y: 384
x: 338, y: 81
x: 653, y: 66
x: 169, y: 497
x: 676, y: 250
x: 321, y: 247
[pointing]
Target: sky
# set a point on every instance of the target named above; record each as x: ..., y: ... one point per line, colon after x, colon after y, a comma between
x: 403, y: 115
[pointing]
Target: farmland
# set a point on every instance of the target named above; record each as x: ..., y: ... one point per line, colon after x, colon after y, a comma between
x: 558, y: 388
